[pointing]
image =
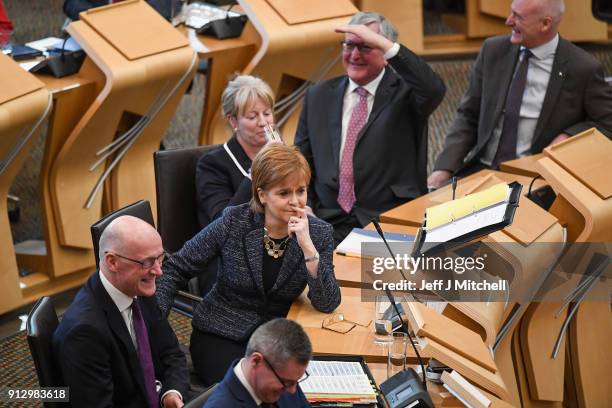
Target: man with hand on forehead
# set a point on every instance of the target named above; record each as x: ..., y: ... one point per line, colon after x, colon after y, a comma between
x: 113, y: 345
x: 364, y: 134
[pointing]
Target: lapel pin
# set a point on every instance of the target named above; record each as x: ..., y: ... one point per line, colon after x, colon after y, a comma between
x: 560, y: 73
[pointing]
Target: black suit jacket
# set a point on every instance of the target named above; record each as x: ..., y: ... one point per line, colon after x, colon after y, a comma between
x: 231, y: 393
x: 390, y: 158
x: 577, y: 98
x: 72, y: 8
x: 219, y: 183
x: 97, y: 356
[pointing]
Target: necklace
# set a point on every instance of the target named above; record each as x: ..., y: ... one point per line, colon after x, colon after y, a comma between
x: 272, y: 248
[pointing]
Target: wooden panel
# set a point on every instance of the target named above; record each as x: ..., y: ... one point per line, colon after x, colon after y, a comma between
x: 14, y: 81
x: 587, y: 157
x: 495, y: 8
x: 530, y: 221
x: 134, y: 28
x: 296, y: 12
x: 21, y: 114
x: 426, y: 322
x: 525, y: 166
x: 538, y: 333
x: 470, y: 370
x: 578, y: 23
x: 482, y: 25
x: 405, y: 15
x: 590, y: 333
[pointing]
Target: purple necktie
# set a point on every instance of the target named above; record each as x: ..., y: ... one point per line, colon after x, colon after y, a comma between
x: 346, y: 193
x: 506, y: 149
x: 144, y: 354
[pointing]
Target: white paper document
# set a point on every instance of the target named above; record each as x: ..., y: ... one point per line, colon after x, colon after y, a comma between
x: 337, y: 377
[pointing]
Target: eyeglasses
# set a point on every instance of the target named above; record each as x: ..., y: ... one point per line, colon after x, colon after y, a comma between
x: 285, y: 383
x: 147, y: 263
x: 338, y: 323
x: 348, y: 47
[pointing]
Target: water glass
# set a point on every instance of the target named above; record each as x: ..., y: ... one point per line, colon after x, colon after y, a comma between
x: 396, y: 356
x: 382, y: 321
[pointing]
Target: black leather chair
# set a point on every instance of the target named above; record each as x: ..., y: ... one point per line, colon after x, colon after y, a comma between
x: 184, y: 302
x: 40, y: 326
x: 140, y: 209
x: 177, y: 212
x: 198, y: 401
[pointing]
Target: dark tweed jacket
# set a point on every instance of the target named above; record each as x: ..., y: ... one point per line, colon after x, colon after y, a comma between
x: 237, y: 303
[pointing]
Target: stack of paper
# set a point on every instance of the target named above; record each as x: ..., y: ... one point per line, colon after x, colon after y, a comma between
x: 338, y: 381
x: 352, y: 244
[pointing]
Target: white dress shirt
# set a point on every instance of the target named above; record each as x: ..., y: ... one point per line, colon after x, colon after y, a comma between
x: 351, y: 97
x: 124, y: 305
x: 243, y: 380
x: 538, y: 76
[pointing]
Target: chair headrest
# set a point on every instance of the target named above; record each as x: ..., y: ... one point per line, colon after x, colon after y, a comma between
x: 140, y: 209
x: 177, y: 210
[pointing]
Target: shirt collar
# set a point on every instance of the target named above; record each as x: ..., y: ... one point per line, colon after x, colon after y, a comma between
x: 545, y: 50
x: 242, y: 378
x: 121, y: 300
x: 371, y: 86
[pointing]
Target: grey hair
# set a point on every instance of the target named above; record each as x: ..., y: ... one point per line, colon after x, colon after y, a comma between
x: 555, y: 8
x: 368, y: 17
x: 242, y: 91
x: 280, y: 340
x: 110, y: 239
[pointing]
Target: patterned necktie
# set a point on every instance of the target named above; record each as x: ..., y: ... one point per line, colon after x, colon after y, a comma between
x: 346, y: 193
x: 144, y: 354
x: 506, y: 149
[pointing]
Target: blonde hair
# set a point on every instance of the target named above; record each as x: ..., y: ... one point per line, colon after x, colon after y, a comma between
x: 274, y: 164
x: 242, y: 92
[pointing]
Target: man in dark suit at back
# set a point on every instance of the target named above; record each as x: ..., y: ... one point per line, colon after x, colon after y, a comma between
x: 275, y: 361
x: 527, y: 91
x: 72, y: 8
x: 365, y: 133
x: 113, y: 345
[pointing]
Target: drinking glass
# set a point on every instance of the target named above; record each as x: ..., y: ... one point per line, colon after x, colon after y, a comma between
x: 382, y: 321
x: 396, y: 356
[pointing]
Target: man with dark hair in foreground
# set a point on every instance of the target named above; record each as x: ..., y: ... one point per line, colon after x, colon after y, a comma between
x: 275, y: 361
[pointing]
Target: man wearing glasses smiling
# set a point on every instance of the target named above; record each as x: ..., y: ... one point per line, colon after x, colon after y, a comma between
x: 113, y: 345
x: 274, y: 364
x: 364, y: 134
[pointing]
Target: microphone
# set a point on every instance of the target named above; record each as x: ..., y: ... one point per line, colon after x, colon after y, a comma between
x: 392, y: 300
x: 227, y: 17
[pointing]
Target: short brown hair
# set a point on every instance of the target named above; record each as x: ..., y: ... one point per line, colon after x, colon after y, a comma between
x: 274, y: 164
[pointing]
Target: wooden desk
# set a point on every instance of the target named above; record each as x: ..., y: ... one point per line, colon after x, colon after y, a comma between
x: 412, y: 212
x: 525, y: 166
x: 359, y: 341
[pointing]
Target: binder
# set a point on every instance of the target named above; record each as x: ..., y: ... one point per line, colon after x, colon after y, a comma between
x: 465, y: 219
x: 368, y: 373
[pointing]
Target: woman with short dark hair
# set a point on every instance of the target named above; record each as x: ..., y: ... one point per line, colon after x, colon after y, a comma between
x: 269, y: 251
